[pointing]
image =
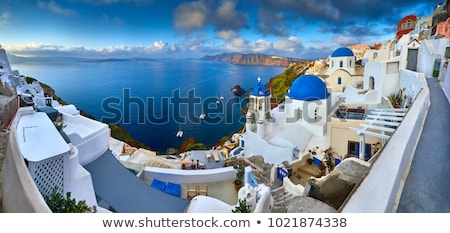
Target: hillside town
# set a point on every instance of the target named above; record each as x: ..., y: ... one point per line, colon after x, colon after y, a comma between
x: 342, y: 140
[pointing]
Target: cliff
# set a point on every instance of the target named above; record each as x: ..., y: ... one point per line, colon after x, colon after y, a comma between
x: 252, y: 59
x: 281, y: 83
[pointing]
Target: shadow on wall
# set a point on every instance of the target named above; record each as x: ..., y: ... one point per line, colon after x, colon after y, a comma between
x: 334, y: 188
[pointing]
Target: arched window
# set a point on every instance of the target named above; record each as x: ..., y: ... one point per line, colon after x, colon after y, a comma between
x: 371, y: 82
x: 339, y: 81
x: 341, y: 64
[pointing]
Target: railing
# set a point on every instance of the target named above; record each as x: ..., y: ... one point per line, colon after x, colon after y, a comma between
x: 381, y: 189
x: 18, y: 188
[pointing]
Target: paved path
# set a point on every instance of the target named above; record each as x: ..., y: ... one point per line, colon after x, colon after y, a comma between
x: 427, y: 187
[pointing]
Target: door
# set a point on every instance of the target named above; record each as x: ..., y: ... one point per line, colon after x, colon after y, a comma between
x: 353, y: 149
x: 412, y: 59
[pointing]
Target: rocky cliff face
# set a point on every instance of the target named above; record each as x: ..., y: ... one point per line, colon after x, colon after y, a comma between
x: 251, y: 59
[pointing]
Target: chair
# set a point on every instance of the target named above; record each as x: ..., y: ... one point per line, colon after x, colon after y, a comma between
x: 191, y: 193
x: 216, y: 157
x: 203, y: 192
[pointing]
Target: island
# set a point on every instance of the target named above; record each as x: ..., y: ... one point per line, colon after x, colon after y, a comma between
x: 252, y: 59
x: 238, y: 90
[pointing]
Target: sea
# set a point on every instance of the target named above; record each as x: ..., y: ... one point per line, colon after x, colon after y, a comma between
x: 155, y: 98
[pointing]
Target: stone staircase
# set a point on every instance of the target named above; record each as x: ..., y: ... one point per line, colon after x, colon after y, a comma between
x: 280, y: 196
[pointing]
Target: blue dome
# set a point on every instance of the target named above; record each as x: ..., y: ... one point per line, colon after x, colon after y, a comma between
x: 308, y: 87
x: 259, y: 89
x: 342, y: 52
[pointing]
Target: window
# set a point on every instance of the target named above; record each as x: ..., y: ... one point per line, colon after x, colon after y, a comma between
x: 341, y: 64
x: 353, y: 149
x: 392, y: 67
x: 339, y: 81
x: 371, y: 83
x: 447, y: 52
x: 375, y: 55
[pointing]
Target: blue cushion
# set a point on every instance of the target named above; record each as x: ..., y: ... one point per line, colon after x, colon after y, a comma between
x: 317, y: 161
x: 158, y: 184
x: 174, y: 189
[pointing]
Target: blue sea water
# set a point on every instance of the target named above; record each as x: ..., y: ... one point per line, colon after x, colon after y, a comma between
x: 153, y: 99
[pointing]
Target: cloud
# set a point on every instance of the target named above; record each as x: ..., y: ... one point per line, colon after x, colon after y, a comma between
x: 347, y: 40
x: 261, y: 46
x: 338, y: 17
x: 112, y: 2
x: 160, y: 45
x: 238, y: 45
x: 286, y: 46
x: 272, y: 23
x: 55, y: 8
x: 290, y: 44
x: 227, y: 34
x: 227, y: 17
x: 4, y: 17
x: 223, y: 18
x: 192, y: 47
x: 190, y: 16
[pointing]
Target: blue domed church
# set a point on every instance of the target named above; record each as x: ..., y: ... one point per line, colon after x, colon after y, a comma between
x: 282, y: 133
x: 342, y: 59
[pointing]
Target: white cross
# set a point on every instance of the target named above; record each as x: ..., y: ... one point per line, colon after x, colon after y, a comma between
x: 259, y: 79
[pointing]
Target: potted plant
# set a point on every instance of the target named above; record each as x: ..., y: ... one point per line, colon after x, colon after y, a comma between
x: 239, y: 181
x: 60, y: 126
x: 242, y: 207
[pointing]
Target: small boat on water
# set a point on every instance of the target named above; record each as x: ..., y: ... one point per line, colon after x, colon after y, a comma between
x: 218, y: 101
x: 203, y: 115
x: 180, y: 133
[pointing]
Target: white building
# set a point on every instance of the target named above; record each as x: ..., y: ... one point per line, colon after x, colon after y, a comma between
x: 298, y: 124
x: 342, y: 59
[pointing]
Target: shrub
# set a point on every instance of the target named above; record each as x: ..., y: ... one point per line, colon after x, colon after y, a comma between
x: 242, y: 207
x: 60, y: 204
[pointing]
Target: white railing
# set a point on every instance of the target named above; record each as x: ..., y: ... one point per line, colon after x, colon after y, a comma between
x: 380, y: 190
x: 19, y: 192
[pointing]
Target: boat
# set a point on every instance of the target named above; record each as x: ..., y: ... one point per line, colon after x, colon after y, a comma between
x: 221, y: 97
x: 218, y: 101
x: 180, y: 133
x: 203, y: 115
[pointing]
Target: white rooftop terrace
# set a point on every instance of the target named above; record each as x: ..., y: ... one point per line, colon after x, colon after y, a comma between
x: 38, y: 138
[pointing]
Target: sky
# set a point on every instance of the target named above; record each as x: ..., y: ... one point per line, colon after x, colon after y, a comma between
x: 305, y: 29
